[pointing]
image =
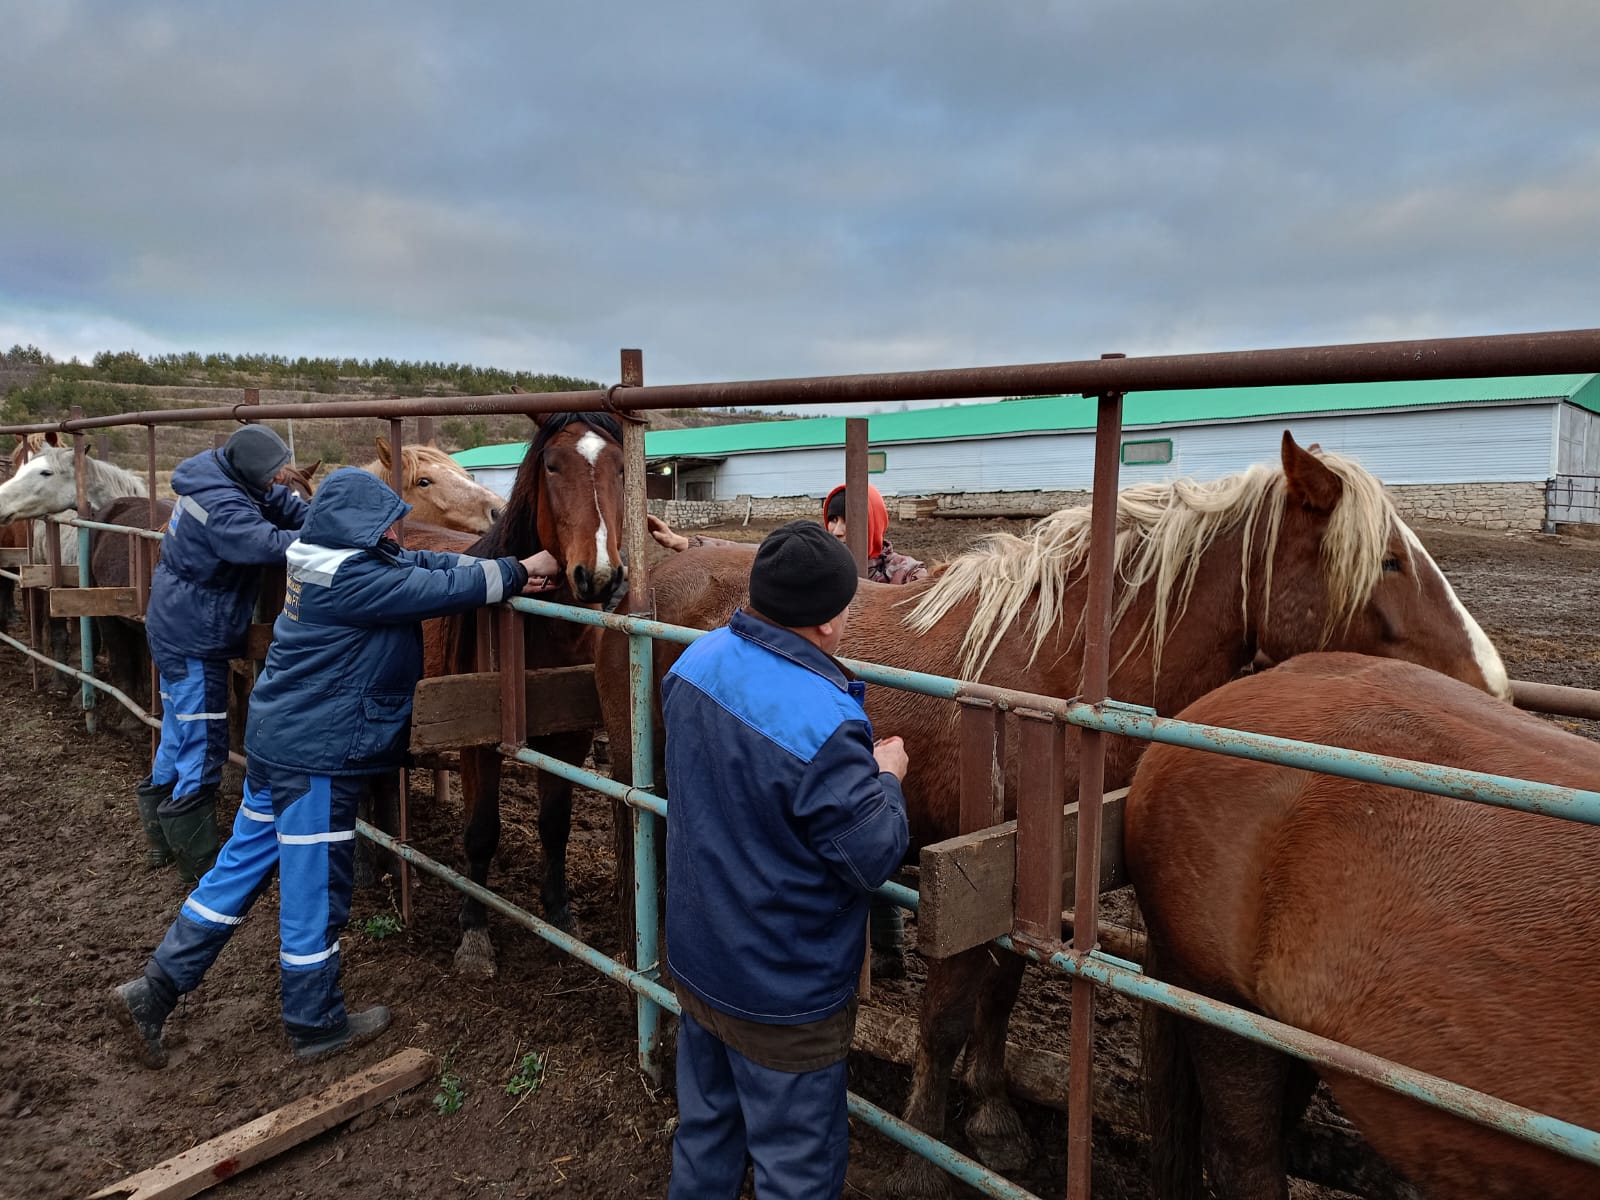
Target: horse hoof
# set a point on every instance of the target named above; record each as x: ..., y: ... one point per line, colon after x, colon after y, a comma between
x: 998, y: 1139
x: 475, y: 955
x: 564, y: 920
x: 918, y: 1179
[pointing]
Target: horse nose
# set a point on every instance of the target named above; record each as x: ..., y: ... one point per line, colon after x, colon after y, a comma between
x: 582, y: 581
x: 494, y: 512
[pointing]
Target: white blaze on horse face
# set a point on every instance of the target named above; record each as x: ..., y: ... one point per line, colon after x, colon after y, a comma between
x: 1488, y: 658
x: 590, y: 445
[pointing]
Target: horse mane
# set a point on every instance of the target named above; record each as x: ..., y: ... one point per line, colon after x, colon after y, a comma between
x: 1163, y: 533
x: 124, y: 481
x: 517, y: 530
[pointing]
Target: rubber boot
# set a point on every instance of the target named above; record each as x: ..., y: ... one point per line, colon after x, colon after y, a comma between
x: 887, y: 927
x: 149, y: 796
x: 141, y: 1007
x: 192, y: 834
x: 359, y: 1027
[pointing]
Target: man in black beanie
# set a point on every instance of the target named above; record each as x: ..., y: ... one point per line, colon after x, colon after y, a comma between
x: 230, y: 520
x: 784, y: 816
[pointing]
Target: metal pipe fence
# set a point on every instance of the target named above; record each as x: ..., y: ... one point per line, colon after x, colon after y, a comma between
x: 1038, y: 839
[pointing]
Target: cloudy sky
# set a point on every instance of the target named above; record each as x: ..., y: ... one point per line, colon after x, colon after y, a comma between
x: 767, y: 189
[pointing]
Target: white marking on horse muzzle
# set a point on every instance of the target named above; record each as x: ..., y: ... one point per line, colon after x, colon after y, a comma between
x: 1488, y: 658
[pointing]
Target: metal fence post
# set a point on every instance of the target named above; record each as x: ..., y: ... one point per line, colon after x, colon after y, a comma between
x: 646, y: 825
x: 80, y: 471
x: 1091, y: 787
x: 855, y: 491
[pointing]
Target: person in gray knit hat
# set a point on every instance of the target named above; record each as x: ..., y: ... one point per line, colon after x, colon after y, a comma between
x: 230, y: 521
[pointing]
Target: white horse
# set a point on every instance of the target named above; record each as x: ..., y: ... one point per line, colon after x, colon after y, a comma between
x: 47, y: 484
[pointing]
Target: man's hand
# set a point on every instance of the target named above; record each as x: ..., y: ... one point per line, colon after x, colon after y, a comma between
x: 662, y: 532
x: 544, y: 573
x: 891, y: 755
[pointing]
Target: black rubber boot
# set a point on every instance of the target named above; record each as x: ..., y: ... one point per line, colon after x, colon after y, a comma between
x: 887, y: 928
x: 140, y: 1007
x: 149, y: 797
x: 192, y: 834
x: 358, y: 1027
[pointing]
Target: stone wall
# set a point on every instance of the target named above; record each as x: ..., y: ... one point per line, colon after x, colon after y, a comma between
x: 1509, y: 506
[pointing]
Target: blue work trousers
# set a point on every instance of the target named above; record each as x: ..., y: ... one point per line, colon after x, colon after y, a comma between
x: 194, y: 731
x: 304, y: 826
x: 731, y: 1110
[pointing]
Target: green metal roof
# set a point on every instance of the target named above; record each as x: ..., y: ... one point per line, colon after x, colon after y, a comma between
x: 1054, y: 414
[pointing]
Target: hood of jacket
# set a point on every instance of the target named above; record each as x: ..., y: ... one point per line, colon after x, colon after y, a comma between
x: 877, y: 518
x: 203, y: 472
x: 352, y: 510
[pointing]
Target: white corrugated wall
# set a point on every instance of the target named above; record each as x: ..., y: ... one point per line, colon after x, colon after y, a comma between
x: 1510, y: 444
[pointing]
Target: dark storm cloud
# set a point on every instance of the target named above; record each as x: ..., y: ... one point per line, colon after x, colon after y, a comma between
x: 778, y: 189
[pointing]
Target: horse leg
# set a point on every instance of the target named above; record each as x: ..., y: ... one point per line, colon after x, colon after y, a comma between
x: 381, y: 806
x: 555, y: 826
x: 949, y: 998
x: 480, y: 793
x: 997, y: 1133
x: 7, y: 602
x: 1243, y: 1091
x: 61, y: 649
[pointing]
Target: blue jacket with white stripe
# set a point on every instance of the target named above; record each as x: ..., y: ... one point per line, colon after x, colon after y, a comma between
x: 779, y: 824
x: 335, y: 698
x: 220, y: 536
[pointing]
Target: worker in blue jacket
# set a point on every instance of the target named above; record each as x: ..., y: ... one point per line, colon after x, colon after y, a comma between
x: 230, y: 521
x: 332, y: 708
x: 784, y: 816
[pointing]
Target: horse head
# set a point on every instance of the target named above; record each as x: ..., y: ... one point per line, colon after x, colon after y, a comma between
x: 1345, y: 572
x: 46, y: 483
x: 568, y: 500
x: 299, y: 480
x: 440, y: 490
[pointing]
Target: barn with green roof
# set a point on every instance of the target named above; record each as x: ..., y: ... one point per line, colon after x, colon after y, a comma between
x: 1505, y: 453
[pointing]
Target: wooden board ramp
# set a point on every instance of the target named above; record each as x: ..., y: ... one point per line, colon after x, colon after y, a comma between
x: 224, y: 1156
x: 968, y: 883
x: 452, y: 711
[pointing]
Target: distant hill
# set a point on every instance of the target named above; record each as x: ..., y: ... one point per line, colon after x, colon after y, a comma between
x: 34, y: 387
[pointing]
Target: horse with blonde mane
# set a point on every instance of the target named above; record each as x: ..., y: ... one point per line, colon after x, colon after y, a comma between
x: 1452, y: 937
x: 1276, y: 561
x: 440, y: 490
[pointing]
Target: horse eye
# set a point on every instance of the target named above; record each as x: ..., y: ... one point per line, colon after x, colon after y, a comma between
x: 46, y: 474
x: 424, y: 483
x: 1392, y: 563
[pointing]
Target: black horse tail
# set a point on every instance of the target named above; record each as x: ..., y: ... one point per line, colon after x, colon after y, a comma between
x: 1172, y: 1103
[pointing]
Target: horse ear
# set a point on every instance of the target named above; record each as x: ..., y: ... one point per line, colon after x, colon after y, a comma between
x: 311, y: 471
x: 50, y: 439
x: 539, y: 418
x: 383, y: 449
x: 1311, y: 483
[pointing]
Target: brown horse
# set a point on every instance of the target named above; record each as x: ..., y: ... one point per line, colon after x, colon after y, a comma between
x: 1274, y: 561
x: 440, y: 490
x: 567, y: 499
x: 1453, y: 937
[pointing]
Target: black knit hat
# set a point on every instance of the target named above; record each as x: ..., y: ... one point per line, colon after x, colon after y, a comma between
x: 802, y: 576
x: 255, y: 453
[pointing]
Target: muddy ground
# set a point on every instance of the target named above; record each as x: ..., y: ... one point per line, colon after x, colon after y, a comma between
x: 80, y: 914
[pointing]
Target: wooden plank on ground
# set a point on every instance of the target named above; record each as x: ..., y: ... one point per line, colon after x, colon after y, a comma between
x: 452, y: 711
x: 224, y: 1156
x: 968, y: 883
x: 94, y: 602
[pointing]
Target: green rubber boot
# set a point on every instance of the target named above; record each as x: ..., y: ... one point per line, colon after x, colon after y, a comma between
x: 193, y: 837
x: 149, y: 797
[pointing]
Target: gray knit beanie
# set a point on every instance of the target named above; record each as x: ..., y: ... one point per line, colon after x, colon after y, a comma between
x: 255, y: 453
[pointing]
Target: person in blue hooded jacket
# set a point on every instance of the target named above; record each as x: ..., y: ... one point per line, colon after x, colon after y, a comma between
x: 784, y: 816
x: 230, y: 521
x: 331, y: 709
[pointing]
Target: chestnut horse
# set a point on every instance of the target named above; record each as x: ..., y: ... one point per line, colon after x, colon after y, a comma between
x: 1453, y: 937
x: 1275, y: 561
x: 440, y: 490
x: 567, y: 499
